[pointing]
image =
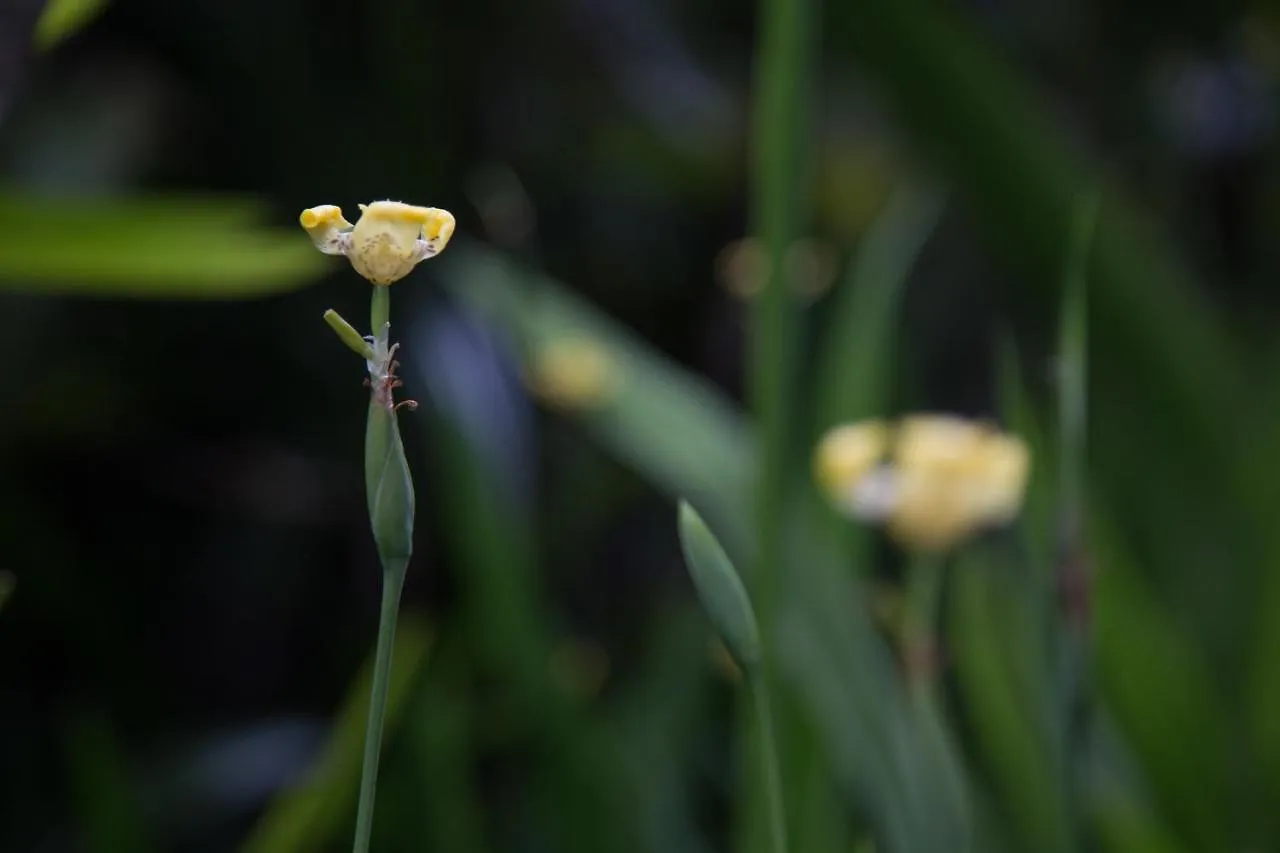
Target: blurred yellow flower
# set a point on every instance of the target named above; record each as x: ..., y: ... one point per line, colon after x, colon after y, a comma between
x: 947, y: 477
x: 572, y: 373
x: 388, y: 240
x: 845, y: 456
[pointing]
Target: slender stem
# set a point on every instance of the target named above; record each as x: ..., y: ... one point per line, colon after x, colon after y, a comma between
x: 769, y: 761
x: 1074, y: 580
x: 380, y: 310
x: 922, y: 653
x: 920, y: 622
x: 392, y: 583
x: 782, y: 85
x: 783, y: 82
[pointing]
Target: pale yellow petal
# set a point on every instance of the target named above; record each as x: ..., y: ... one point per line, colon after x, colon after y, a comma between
x: 845, y: 455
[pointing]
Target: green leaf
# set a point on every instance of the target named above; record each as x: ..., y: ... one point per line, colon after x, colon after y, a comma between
x: 1037, y: 522
x: 174, y: 248
x: 1120, y: 805
x: 62, y: 18
x: 1161, y: 692
x: 1073, y: 364
x: 577, y: 784
x: 1000, y: 667
x: 676, y: 429
x: 720, y: 588
x: 311, y: 816
x: 855, y: 357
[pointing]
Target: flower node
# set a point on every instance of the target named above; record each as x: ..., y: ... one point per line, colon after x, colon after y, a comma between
x: 382, y: 379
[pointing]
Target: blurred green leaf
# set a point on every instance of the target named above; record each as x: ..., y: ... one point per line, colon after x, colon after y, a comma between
x: 854, y: 363
x: 1162, y: 695
x: 674, y: 428
x: 441, y: 749
x: 687, y: 440
x: 7, y: 584
x: 108, y: 814
x: 660, y: 719
x: 1073, y: 367
x: 1000, y: 662
x: 1037, y: 523
x: 62, y: 18
x: 1119, y: 801
x: 159, y: 248
x: 986, y: 127
x: 313, y: 814
x: 580, y: 786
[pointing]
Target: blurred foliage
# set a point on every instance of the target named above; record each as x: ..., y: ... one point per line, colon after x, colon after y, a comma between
x: 182, y: 509
x: 61, y: 18
x: 196, y: 248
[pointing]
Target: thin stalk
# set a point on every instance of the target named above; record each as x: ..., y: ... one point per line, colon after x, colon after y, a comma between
x: 1073, y: 358
x: 769, y: 761
x: 782, y: 85
x: 922, y: 656
x: 392, y: 583
x: 389, y: 488
x: 1075, y: 573
x: 923, y: 594
x: 380, y: 310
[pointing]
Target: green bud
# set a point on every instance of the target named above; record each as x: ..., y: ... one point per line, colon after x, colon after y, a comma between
x: 720, y: 589
x: 388, y: 487
x: 348, y: 335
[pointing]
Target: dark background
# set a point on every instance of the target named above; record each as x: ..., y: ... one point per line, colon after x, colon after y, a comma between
x: 181, y: 501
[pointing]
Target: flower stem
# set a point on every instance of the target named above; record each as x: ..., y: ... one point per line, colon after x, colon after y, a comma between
x: 392, y: 582
x: 380, y: 310
x: 922, y: 657
x: 769, y: 761
x: 920, y: 622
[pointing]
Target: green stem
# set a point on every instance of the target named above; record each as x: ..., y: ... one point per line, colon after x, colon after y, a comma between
x: 769, y: 762
x: 922, y: 654
x: 920, y: 622
x: 380, y: 310
x: 781, y: 88
x: 392, y: 582
x: 778, y: 211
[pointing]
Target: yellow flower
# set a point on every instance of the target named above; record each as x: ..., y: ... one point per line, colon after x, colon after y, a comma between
x: 1005, y: 467
x: 937, y: 462
x: 572, y: 373
x: 947, y: 478
x: 388, y: 240
x: 845, y: 456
